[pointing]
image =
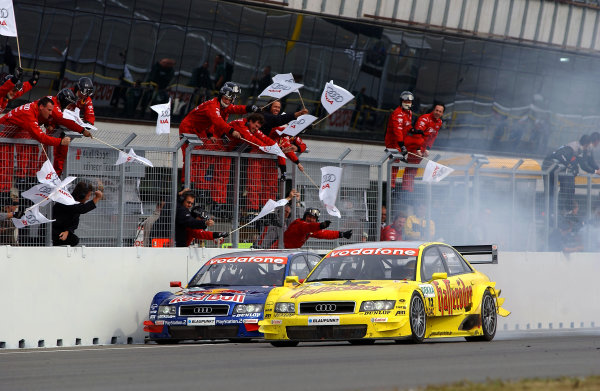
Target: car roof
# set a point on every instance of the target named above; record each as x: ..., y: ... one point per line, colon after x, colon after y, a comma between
x: 262, y: 253
x: 399, y: 244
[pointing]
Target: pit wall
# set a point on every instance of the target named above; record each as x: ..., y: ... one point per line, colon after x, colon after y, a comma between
x: 98, y: 296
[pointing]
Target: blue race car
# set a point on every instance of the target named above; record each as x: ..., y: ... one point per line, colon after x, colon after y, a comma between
x: 226, y: 297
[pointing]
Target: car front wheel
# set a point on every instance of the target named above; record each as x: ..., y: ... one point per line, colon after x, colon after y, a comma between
x: 417, y: 318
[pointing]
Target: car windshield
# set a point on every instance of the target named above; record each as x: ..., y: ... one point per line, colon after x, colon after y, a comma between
x: 365, y: 267
x: 245, y: 274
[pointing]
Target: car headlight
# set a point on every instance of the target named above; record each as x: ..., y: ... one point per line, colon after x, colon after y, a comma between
x: 377, y: 305
x: 247, y: 308
x: 167, y: 310
x: 285, y: 307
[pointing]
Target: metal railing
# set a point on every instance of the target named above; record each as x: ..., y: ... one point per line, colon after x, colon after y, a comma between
x: 485, y: 200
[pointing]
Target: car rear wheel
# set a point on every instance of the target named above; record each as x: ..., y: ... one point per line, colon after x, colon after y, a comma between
x: 284, y: 344
x: 489, y: 319
x: 417, y: 318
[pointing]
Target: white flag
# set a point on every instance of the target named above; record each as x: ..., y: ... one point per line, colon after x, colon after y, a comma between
x: 278, y: 90
x: 46, y: 191
x: 47, y: 175
x: 74, y: 116
x: 331, y: 179
x: 127, y: 74
x: 31, y: 217
x: 163, y: 122
x: 273, y: 149
x: 269, y: 207
x: 132, y: 157
x: 283, y: 78
x: 334, y: 97
x: 298, y: 125
x: 8, y: 26
x: 435, y: 172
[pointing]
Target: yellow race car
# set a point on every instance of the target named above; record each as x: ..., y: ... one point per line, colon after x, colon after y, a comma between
x: 387, y: 290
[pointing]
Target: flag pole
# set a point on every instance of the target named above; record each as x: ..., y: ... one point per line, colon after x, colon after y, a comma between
x: 419, y: 156
x: 301, y: 100
x: 313, y: 182
x: 269, y: 104
x: 322, y: 119
x: 19, y: 51
x: 240, y: 227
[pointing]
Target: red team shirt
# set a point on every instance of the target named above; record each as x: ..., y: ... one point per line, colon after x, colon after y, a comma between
x: 399, y: 124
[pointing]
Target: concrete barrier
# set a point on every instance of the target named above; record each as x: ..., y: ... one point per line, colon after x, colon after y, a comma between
x: 97, y: 296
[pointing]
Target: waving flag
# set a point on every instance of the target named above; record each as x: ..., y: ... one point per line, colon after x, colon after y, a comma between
x: 334, y: 97
x: 435, y: 172
x: 331, y: 178
x: 132, y: 157
x: 298, y: 125
x: 47, y: 191
x: 8, y: 26
x: 278, y: 90
x: 283, y: 78
x: 163, y: 122
x: 47, y: 175
x: 74, y: 116
x: 31, y: 217
x: 273, y: 149
x: 269, y: 207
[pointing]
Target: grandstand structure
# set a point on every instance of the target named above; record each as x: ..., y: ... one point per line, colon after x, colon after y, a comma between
x: 518, y: 78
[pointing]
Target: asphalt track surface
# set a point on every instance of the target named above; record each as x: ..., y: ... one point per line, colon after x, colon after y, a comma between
x: 310, y: 366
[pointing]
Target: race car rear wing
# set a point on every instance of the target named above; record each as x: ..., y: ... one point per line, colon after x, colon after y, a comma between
x: 474, y: 254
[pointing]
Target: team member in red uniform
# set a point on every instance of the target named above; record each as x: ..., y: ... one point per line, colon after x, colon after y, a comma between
x: 262, y: 183
x: 394, y: 231
x: 300, y: 230
x: 13, y: 87
x: 398, y: 125
x: 27, y: 119
x: 200, y: 234
x: 419, y: 140
x: 209, y: 122
x: 83, y: 90
x: 65, y: 99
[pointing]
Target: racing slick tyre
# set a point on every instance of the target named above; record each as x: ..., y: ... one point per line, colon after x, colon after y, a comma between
x: 417, y: 318
x: 362, y: 341
x: 489, y: 319
x: 284, y: 344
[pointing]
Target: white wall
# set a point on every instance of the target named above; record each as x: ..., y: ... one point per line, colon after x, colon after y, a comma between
x: 103, y: 294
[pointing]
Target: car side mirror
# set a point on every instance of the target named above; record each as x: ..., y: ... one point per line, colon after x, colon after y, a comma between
x: 292, y: 280
x: 175, y: 284
x: 439, y: 276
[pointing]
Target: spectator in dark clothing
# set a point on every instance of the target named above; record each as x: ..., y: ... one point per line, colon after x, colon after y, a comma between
x: 202, y: 84
x: 274, y: 117
x: 220, y: 71
x: 259, y: 83
x: 184, y: 219
x: 564, y: 238
x: 568, y: 158
x: 160, y: 76
x: 67, y: 216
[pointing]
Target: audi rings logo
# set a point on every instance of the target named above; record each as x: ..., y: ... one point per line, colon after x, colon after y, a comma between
x: 334, y: 95
x: 328, y: 178
x: 299, y: 122
x: 3, y: 13
x: 325, y: 307
x: 202, y: 310
x: 280, y: 86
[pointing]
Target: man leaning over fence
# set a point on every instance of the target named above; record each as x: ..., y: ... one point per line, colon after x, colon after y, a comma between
x: 209, y: 122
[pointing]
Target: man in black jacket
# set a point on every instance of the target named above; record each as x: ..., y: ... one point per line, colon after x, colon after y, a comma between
x: 184, y: 219
x: 67, y: 216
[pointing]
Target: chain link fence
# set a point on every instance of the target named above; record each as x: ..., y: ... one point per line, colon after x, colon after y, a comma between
x: 484, y: 200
